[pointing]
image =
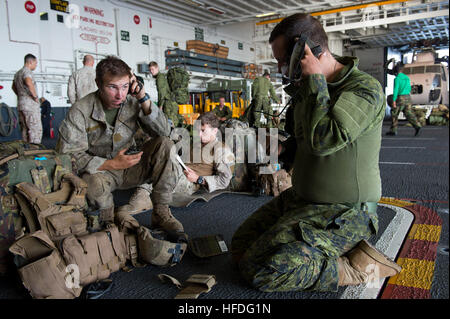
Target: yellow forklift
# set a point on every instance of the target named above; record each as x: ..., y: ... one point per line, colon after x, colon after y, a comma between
x: 236, y: 93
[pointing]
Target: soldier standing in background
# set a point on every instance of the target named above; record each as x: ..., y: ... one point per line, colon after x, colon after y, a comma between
x: 260, y: 89
x: 82, y: 82
x: 222, y: 111
x: 28, y: 106
x: 313, y: 235
x: 402, y: 102
x: 165, y: 102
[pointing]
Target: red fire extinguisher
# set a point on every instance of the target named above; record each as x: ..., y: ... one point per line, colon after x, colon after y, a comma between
x: 52, y: 132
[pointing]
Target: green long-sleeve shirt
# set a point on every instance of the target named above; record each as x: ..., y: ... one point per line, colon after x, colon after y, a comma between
x: 402, y: 85
x: 336, y: 132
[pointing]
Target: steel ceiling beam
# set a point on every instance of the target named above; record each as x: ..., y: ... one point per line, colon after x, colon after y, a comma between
x: 153, y: 8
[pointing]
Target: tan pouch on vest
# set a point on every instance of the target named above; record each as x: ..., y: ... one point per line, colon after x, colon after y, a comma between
x: 42, y: 269
x: 97, y: 255
x: 193, y: 287
x: 56, y: 219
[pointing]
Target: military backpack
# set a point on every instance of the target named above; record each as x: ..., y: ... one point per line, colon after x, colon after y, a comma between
x: 22, y: 162
x: 178, y: 80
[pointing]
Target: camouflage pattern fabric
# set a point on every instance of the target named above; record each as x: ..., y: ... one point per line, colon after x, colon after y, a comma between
x: 155, y: 167
x: 293, y: 242
x: 262, y: 104
x: 178, y: 80
x: 224, y: 112
x: 420, y: 115
x: 166, y: 101
x: 171, y: 109
x: 81, y: 83
x: 92, y: 141
x: 163, y: 88
x: 403, y: 104
x: 292, y: 245
x: 260, y: 89
x: 25, y: 100
x: 31, y: 126
x: 16, y: 171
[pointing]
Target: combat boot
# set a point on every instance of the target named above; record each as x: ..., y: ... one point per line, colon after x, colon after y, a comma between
x: 163, y: 218
x: 349, y: 276
x: 139, y: 202
x: 417, y: 133
x: 365, y: 258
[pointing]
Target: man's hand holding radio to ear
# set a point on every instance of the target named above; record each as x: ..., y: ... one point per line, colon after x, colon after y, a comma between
x: 310, y: 64
x: 138, y: 91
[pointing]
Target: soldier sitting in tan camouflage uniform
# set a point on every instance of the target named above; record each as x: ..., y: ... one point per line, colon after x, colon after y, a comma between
x: 99, y: 129
x: 213, y: 172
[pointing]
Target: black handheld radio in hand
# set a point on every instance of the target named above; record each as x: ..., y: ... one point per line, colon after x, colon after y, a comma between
x: 297, y: 54
x: 140, y: 83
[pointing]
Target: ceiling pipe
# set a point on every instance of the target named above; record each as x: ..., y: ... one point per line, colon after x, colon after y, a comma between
x: 343, y: 9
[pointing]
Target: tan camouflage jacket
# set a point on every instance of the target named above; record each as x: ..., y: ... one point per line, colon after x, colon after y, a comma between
x: 25, y: 101
x: 81, y: 83
x: 85, y: 133
x: 220, y: 158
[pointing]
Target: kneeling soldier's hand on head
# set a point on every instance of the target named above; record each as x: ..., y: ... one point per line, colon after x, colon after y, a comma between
x: 311, y: 64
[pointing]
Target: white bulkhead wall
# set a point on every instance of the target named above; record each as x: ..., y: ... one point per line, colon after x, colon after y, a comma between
x: 60, y: 47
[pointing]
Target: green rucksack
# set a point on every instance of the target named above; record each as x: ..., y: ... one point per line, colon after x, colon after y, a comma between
x: 24, y: 162
x: 178, y: 80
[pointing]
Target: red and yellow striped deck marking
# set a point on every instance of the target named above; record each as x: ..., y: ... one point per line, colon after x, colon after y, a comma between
x: 417, y: 255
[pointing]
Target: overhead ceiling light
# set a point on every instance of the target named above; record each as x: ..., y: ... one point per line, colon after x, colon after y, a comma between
x: 215, y: 10
x: 265, y: 14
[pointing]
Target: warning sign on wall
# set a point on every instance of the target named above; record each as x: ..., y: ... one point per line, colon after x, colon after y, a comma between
x: 59, y: 5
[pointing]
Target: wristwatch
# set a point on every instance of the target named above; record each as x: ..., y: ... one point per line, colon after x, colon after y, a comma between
x: 200, y: 180
x: 145, y: 98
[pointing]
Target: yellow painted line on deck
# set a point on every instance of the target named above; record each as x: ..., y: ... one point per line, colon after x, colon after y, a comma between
x: 415, y: 273
x: 395, y: 202
x: 425, y: 232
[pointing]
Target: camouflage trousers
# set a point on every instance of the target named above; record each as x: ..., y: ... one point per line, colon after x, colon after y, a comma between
x: 292, y: 245
x: 403, y: 104
x: 262, y: 104
x: 155, y: 167
x: 31, y: 126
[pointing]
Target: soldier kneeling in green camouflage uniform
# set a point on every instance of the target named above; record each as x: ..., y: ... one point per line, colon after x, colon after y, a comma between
x: 312, y: 236
x: 99, y: 129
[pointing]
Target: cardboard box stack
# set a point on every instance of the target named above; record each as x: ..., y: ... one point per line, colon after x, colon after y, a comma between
x: 251, y: 71
x: 206, y: 48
